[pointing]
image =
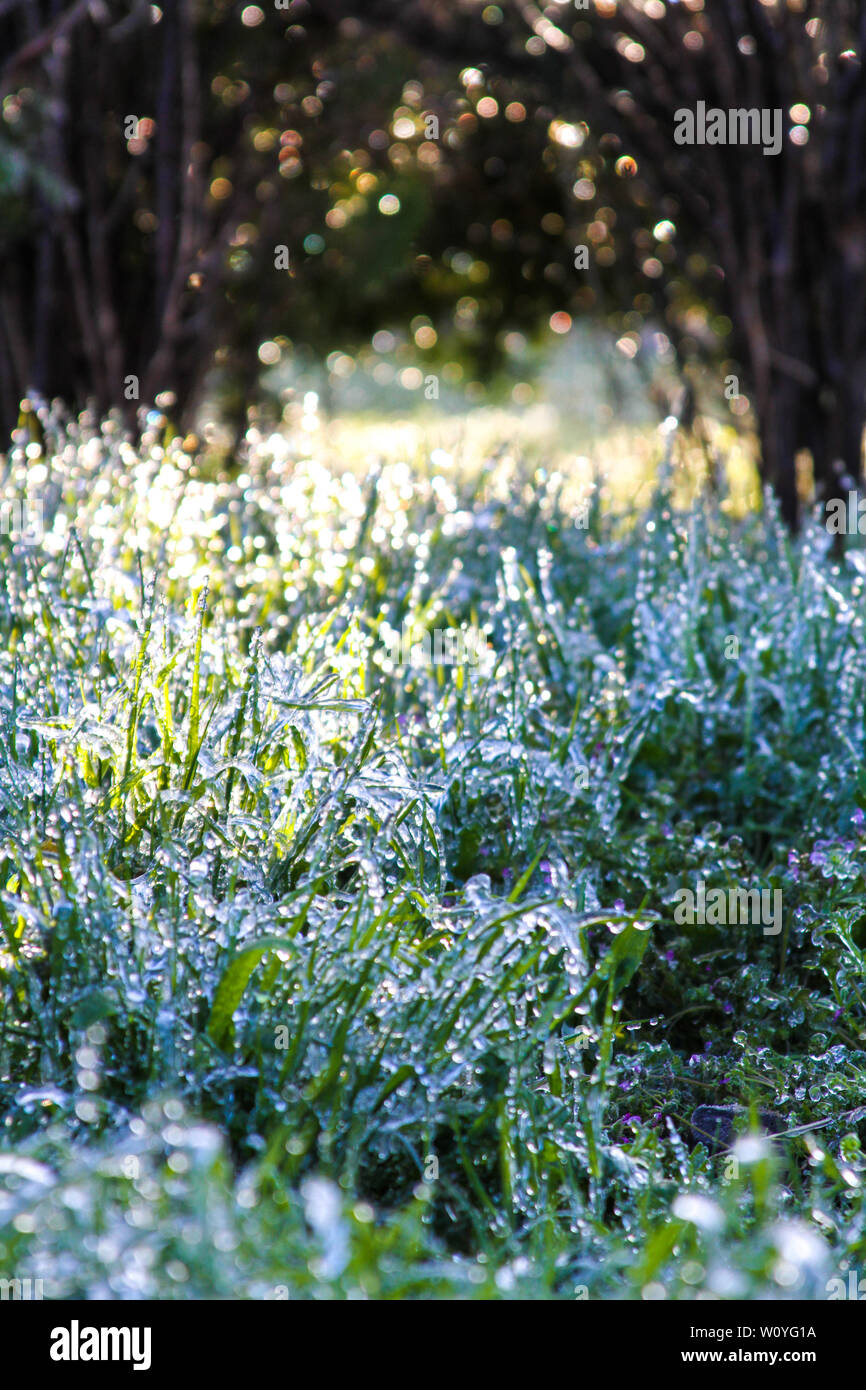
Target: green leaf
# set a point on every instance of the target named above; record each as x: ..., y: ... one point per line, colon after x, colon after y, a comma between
x: 230, y: 990
x: 624, y: 956
x: 94, y: 1005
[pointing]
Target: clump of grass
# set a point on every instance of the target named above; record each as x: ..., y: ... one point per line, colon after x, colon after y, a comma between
x: 324, y: 976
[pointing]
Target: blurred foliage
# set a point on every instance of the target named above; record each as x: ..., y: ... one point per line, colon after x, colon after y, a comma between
x: 308, y: 128
x: 460, y: 179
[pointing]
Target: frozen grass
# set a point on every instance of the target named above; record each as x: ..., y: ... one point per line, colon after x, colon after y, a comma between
x: 325, y: 978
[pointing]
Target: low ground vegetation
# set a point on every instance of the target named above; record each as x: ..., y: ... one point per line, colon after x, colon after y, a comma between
x: 326, y: 976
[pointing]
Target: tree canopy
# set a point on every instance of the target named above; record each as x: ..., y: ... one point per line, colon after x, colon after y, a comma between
x: 193, y: 191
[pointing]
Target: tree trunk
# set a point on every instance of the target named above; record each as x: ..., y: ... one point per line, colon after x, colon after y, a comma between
x: 777, y: 427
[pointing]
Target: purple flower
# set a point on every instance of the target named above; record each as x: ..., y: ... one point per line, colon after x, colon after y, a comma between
x: 858, y: 817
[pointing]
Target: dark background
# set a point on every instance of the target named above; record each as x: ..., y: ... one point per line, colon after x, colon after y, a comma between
x: 263, y: 127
